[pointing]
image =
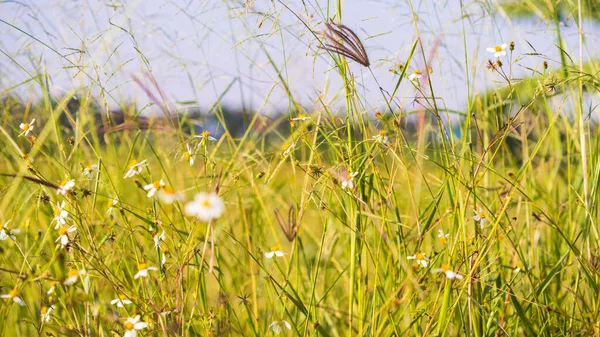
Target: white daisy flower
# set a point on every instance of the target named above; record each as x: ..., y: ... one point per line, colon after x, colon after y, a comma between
x: 498, y: 50
x: 205, y: 135
x: 63, y: 234
x: 274, y: 252
x: 132, y: 324
x: 7, y: 233
x: 60, y: 215
x: 158, y: 238
x: 442, y: 237
x: 480, y: 216
x: 348, y: 180
x: 64, y: 186
x: 89, y: 170
x: 120, y: 301
x: 287, y: 148
x: 416, y: 74
x: 154, y: 187
x: 301, y: 117
x: 26, y: 128
x: 134, y: 168
x: 188, y: 154
x: 278, y: 326
x: 14, y: 296
x: 169, y: 195
x: 163, y: 255
x: 72, y: 276
x: 381, y: 137
x: 52, y: 287
x: 205, y: 206
x: 421, y: 259
x: 447, y: 269
x: 45, y: 313
x: 111, y: 205
x: 143, y: 270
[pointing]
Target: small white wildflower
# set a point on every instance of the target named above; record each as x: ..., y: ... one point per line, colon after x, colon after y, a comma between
x: 134, y: 168
x: 52, y: 287
x: 480, y: 216
x: 143, y: 270
x: 60, y: 215
x: 154, y: 187
x: 63, y: 234
x: 120, y: 301
x: 132, y: 324
x: 111, y: 205
x: 416, y: 74
x: 301, y: 117
x: 278, y: 326
x: 348, y: 181
x: 498, y: 50
x: 72, y: 276
x: 205, y: 135
x: 442, y: 237
x: 45, y: 313
x: 6, y: 232
x: 14, y: 296
x: 275, y: 251
x: 205, y: 206
x: 65, y: 186
x: 287, y: 148
x: 381, y: 137
x: 89, y: 170
x: 421, y: 259
x: 26, y: 128
x: 447, y: 270
x: 188, y: 155
x: 158, y: 238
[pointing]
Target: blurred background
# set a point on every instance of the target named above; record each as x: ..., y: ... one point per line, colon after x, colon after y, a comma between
x: 238, y: 54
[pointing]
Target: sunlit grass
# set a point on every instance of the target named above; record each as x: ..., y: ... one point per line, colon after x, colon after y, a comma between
x: 330, y: 221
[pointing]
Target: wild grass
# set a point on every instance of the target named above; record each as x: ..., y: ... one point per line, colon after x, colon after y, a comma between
x: 336, y: 221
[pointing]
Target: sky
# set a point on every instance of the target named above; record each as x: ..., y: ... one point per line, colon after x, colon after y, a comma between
x: 238, y: 53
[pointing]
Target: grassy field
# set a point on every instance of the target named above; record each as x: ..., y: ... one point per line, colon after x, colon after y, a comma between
x: 332, y: 221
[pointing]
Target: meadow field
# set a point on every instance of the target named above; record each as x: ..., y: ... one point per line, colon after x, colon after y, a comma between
x: 376, y: 209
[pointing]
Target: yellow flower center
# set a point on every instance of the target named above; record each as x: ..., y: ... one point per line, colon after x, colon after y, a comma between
x: 187, y: 155
x: 53, y: 283
x: 419, y: 257
x: 25, y: 126
x: 72, y: 273
x: 417, y: 72
x: 446, y: 267
x: 62, y: 183
x: 142, y: 266
x: 275, y: 248
x: 14, y: 293
x: 498, y: 48
x: 156, y: 184
x: 286, y: 146
x: 382, y: 133
x: 205, y: 134
x: 482, y: 215
x: 168, y: 190
x: 132, y: 163
x: 442, y: 240
x: 122, y: 297
x: 206, y: 203
x: 128, y: 325
x: 62, y: 230
x: 44, y: 310
x: 164, y: 249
